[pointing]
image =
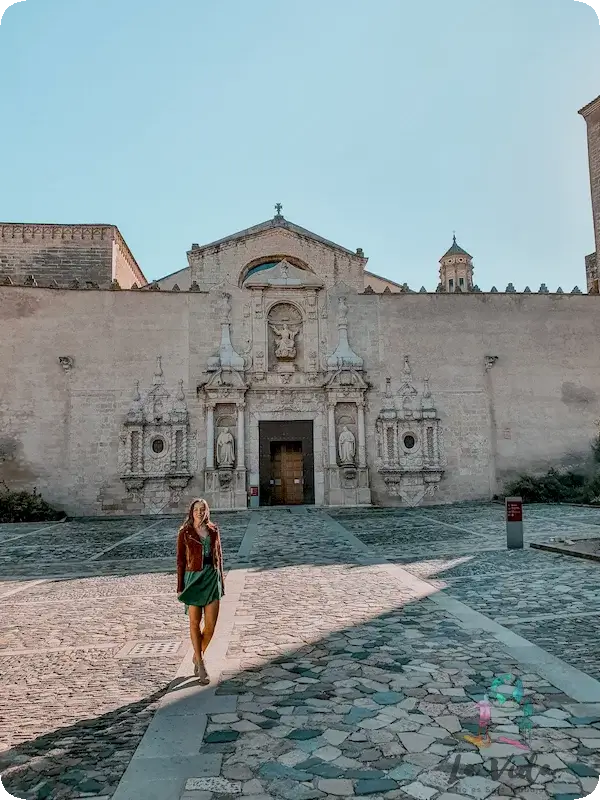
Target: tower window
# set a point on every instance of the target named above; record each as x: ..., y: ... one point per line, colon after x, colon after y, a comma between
x: 461, y: 281
x: 451, y: 283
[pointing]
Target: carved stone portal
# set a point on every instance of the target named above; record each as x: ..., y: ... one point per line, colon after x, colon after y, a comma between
x: 409, y: 442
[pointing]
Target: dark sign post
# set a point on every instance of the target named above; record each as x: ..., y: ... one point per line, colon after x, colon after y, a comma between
x: 514, y: 523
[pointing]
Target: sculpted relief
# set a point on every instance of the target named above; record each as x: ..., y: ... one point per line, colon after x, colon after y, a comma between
x: 285, y: 325
x: 285, y: 347
x: 346, y: 446
x: 156, y: 449
x: 410, y: 455
x: 225, y: 449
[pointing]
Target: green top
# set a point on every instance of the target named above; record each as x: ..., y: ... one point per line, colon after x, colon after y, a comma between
x: 456, y: 250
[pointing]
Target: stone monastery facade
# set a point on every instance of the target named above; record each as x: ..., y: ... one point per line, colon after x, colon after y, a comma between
x: 277, y: 370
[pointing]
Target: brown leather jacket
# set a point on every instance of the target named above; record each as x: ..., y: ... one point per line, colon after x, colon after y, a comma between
x: 190, y: 552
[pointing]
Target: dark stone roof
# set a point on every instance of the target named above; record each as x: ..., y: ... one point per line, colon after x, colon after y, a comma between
x: 456, y: 250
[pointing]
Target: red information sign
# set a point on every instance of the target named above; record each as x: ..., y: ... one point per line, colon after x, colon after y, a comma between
x: 254, y: 491
x: 514, y: 510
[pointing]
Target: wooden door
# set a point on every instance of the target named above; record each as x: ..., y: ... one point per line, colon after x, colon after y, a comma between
x: 288, y: 474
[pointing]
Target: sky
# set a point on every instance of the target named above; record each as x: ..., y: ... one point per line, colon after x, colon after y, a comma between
x: 385, y: 125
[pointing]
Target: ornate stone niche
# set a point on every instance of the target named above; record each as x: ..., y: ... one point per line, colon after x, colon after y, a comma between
x: 156, y: 445
x: 345, y: 392
x: 348, y: 476
x: 285, y: 341
x: 283, y: 325
x: 224, y: 393
x: 409, y: 441
x: 225, y: 470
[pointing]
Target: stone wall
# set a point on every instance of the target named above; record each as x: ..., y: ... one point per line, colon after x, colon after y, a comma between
x: 591, y: 271
x: 125, y: 269
x: 64, y: 253
x: 379, y: 284
x: 514, y: 378
x: 591, y: 114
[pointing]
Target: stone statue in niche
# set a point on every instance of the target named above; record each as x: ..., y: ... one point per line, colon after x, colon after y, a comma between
x: 224, y: 306
x: 158, y: 410
x: 225, y: 449
x: 346, y: 446
x: 285, y: 346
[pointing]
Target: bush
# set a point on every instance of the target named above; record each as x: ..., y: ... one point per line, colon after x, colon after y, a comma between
x: 596, y: 449
x: 554, y: 487
x: 26, y: 506
x: 592, y: 490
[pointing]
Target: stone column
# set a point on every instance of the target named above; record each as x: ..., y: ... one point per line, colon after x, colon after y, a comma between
x: 332, y: 441
x: 240, y: 437
x: 210, y: 437
x: 362, y: 455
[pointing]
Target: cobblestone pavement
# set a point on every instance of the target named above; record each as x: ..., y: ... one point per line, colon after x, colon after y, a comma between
x: 349, y: 679
x: 74, y: 704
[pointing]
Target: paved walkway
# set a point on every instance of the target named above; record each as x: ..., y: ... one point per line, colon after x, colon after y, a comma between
x: 351, y: 648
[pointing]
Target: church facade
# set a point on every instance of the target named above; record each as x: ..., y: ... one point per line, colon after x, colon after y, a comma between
x: 277, y: 370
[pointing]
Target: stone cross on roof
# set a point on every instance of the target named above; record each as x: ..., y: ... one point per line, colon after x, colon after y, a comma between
x: 278, y: 209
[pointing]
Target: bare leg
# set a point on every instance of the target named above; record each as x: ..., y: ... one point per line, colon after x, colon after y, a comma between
x: 211, y: 615
x: 195, y: 614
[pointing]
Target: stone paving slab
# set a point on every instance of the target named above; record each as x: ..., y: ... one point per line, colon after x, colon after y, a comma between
x: 371, y: 695
x: 339, y: 674
x: 588, y: 549
x: 73, y: 711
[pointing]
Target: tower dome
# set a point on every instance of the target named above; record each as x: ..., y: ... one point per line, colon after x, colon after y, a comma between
x: 456, y: 269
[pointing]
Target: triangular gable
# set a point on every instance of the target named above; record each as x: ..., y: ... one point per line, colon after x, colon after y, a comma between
x: 277, y: 223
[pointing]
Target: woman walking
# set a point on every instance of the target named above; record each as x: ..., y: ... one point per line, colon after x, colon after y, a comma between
x: 200, y: 582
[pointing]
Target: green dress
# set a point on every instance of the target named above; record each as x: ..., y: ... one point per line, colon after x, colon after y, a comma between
x: 204, y: 587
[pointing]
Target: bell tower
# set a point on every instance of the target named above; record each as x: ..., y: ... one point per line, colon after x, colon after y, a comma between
x: 456, y: 270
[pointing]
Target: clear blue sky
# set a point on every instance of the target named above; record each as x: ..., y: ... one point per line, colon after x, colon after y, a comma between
x: 383, y: 125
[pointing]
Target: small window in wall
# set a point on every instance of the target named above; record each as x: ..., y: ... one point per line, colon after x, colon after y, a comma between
x: 461, y: 281
x: 451, y: 283
x: 158, y: 445
x: 409, y: 441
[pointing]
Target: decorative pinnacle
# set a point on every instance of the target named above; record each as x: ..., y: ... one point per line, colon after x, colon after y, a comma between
x: 158, y: 375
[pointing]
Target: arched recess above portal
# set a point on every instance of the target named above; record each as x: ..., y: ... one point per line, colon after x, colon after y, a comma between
x: 281, y: 272
x: 252, y: 266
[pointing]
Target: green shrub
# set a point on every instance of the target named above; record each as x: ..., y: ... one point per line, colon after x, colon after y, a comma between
x: 554, y: 487
x: 23, y: 506
x: 596, y: 448
x: 592, y: 490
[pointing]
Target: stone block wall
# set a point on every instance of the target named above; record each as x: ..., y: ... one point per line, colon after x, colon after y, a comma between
x: 125, y: 269
x: 64, y: 253
x: 515, y: 380
x: 591, y: 271
x: 591, y: 114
